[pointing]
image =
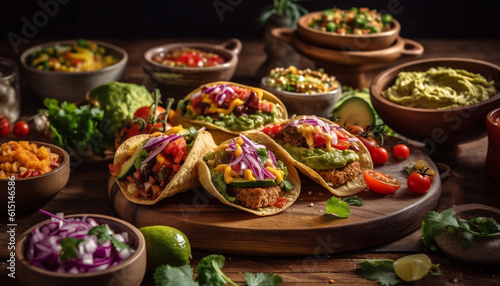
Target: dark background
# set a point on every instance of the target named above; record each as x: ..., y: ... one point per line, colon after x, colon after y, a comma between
x: 200, y: 19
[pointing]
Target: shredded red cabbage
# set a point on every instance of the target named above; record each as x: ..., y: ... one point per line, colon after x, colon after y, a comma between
x: 43, y: 248
x: 160, y: 143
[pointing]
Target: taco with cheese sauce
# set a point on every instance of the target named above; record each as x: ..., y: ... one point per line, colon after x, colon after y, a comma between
x: 226, y: 109
x: 151, y: 167
x: 323, y: 151
x: 245, y: 174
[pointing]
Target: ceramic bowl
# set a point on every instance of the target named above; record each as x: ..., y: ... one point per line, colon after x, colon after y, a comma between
x: 442, y: 130
x: 33, y: 192
x: 369, y: 42
x: 71, y: 86
x: 177, y: 82
x: 319, y: 104
x: 129, y: 272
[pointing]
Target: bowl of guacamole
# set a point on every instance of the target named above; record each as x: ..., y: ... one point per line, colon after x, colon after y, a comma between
x: 441, y: 102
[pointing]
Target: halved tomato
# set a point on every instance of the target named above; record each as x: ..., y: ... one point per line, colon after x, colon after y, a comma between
x: 380, y: 182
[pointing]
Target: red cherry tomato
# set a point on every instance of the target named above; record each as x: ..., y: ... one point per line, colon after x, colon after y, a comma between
x: 369, y: 142
x: 401, y: 151
x: 380, y: 182
x: 146, y: 112
x: 21, y: 128
x: 418, y: 183
x: 4, y: 126
x: 379, y: 155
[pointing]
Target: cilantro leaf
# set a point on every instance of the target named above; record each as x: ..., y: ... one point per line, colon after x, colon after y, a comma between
x: 379, y: 269
x: 434, y: 224
x: 103, y: 233
x: 286, y: 184
x: 262, y: 153
x: 167, y: 275
x: 354, y: 201
x: 210, y: 271
x: 69, y: 247
x: 337, y: 207
x: 261, y: 279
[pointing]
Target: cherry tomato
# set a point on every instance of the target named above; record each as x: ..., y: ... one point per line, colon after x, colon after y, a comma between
x: 21, y: 128
x: 369, y: 142
x: 418, y: 183
x: 355, y: 129
x: 380, y: 182
x: 379, y: 155
x: 4, y: 126
x: 401, y: 151
x: 146, y: 112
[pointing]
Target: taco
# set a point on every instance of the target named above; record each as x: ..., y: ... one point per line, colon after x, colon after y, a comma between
x: 323, y: 151
x: 151, y: 167
x: 247, y: 175
x: 226, y: 109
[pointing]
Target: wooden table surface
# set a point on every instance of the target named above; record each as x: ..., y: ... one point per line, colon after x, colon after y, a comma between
x: 86, y: 191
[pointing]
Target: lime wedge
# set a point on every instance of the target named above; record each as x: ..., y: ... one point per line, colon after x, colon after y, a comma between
x: 412, y: 267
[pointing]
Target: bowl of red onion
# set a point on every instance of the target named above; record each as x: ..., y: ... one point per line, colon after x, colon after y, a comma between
x: 81, y: 249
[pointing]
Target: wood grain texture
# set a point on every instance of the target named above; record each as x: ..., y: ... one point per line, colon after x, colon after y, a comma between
x: 302, y: 229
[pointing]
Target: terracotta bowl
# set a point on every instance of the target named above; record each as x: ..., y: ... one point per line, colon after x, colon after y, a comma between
x: 177, y: 82
x: 71, y: 86
x: 129, y: 272
x: 326, y: 39
x: 319, y: 104
x: 442, y: 130
x: 33, y: 192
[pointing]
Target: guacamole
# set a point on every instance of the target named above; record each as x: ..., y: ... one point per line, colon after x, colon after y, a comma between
x: 320, y: 159
x: 439, y: 88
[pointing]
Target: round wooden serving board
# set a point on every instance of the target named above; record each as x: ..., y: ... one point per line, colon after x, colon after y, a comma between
x: 302, y: 229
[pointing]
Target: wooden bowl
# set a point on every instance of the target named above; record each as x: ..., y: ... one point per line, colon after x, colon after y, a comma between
x: 442, y: 130
x: 319, y: 104
x: 177, y: 82
x: 33, y: 192
x: 483, y: 252
x: 71, y: 86
x: 129, y: 272
x: 331, y: 40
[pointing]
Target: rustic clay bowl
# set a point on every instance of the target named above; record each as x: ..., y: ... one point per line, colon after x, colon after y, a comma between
x: 331, y: 40
x: 177, y: 82
x: 71, y: 86
x: 442, y: 130
x: 319, y: 104
x: 483, y: 252
x: 129, y: 272
x: 33, y: 192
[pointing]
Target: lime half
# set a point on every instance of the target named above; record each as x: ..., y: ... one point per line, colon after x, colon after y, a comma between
x: 413, y: 267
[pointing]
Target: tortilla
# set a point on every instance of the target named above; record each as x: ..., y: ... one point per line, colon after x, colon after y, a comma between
x: 185, y: 179
x: 292, y: 195
x: 221, y: 134
x: 348, y: 189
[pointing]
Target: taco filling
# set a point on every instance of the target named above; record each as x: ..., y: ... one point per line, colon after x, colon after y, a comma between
x: 248, y: 174
x: 230, y: 106
x: 322, y: 146
x: 153, y: 163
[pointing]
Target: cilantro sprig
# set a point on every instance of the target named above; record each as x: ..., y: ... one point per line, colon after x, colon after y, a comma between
x: 103, y: 234
x: 209, y: 273
x: 434, y: 224
x: 341, y: 207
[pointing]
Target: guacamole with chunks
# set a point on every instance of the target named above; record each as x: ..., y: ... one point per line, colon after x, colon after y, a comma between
x: 439, y: 88
x: 320, y: 159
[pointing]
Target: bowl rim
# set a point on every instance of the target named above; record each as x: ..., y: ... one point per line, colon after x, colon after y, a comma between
x: 300, y: 94
x: 396, y: 27
x: 64, y: 163
x: 202, y: 46
x: 141, y: 248
x: 121, y: 62
x: 384, y: 73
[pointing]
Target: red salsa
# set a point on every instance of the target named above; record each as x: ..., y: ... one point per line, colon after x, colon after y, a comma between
x: 188, y: 57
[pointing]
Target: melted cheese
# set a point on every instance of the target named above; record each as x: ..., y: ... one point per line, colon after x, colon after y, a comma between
x: 248, y: 175
x: 279, y: 173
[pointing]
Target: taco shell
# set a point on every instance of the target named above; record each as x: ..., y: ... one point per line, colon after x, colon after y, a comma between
x: 292, y: 195
x: 221, y: 134
x: 185, y: 179
x: 348, y: 189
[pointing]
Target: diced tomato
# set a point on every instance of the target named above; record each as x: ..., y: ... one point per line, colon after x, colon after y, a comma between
x: 176, y: 167
x: 236, y: 168
x: 266, y: 130
x: 266, y: 106
x: 341, y: 134
x: 319, y: 140
x: 157, y: 167
x: 114, y: 169
x: 276, y: 129
x: 280, y: 203
x: 341, y: 145
x: 196, y: 101
x: 177, y: 158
